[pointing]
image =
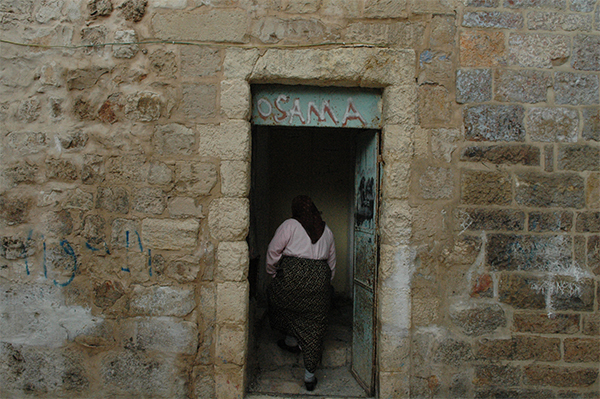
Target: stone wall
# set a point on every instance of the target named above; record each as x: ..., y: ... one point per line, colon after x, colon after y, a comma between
x: 125, y: 148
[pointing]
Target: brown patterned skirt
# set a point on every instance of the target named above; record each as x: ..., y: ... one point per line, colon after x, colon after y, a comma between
x: 299, y: 299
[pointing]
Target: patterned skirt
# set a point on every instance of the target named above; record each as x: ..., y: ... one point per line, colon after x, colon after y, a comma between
x: 299, y: 299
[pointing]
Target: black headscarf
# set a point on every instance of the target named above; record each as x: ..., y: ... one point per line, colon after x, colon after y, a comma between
x: 306, y: 212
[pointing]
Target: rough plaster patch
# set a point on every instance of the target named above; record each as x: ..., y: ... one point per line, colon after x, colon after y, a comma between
x: 37, y: 315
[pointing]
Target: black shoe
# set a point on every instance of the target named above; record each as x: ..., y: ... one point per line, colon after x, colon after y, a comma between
x: 310, y: 385
x: 293, y: 349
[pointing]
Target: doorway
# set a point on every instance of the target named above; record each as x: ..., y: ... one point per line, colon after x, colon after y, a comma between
x: 338, y: 169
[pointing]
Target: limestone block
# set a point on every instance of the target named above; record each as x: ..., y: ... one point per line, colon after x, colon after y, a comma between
x: 144, y: 106
x: 434, y: 6
x: 396, y: 219
x: 221, y: 25
x: 576, y: 88
x: 124, y: 50
x: 159, y: 173
x: 196, y: 178
x: 199, y: 61
x: 274, y: 30
x: 29, y: 110
x: 437, y: 183
x: 485, y: 188
x: 27, y: 142
x: 399, y: 105
x: 394, y: 384
x: 229, y: 381
x: 552, y: 124
x: 393, y: 350
x: 482, y: 48
x: 591, y: 124
x: 538, y: 50
x: 163, y: 334
x: 208, y: 304
x: 173, y: 4
x: 199, y: 100
x: 389, y: 67
x: 235, y: 178
x: 434, y: 106
x: 235, y: 98
x: 386, y: 9
x: 170, y: 234
x: 79, y: 199
x: 443, y: 143
x: 378, y: 33
x: 232, y: 302
x: 164, y: 63
x: 162, y: 301
x: 396, y: 180
x: 135, y: 373
x: 397, y: 143
x: 184, y: 207
x: 475, y: 320
x: 174, y: 138
x: 149, y: 200
x: 239, y: 63
x: 231, y: 345
x: 560, y: 190
x: 204, y: 382
x: 233, y: 261
x: 124, y: 234
x: 229, y: 218
x: 229, y: 141
x: 113, y: 199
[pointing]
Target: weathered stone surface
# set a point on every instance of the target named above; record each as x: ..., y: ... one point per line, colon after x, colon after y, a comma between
x: 133, y: 10
x: 473, y: 85
x: 94, y: 35
x: 513, y: 393
x: 396, y: 178
x: 521, y: 291
x: 582, y: 5
x: 550, y: 221
x: 232, y: 302
x: 453, y: 352
x: 503, y: 154
x: 229, y: 141
x: 81, y: 79
x: 443, y: 143
x: 229, y: 218
x: 485, y: 188
x: 557, y: 376
x: 123, y: 50
x: 494, y: 123
x: 149, y: 200
x: 479, y: 319
x: 524, y: 86
x: 29, y: 110
x: 170, y: 234
x: 549, y: 4
x: 571, y: 293
x: 493, y: 219
x: 93, y: 229
x: 582, y: 350
x: 547, y: 190
x: 579, y: 157
x: 542, y: 323
x: 553, y: 21
x: 275, y: 30
x: 576, y: 88
x: 520, y: 347
x: 162, y: 334
x: 199, y: 100
x: 174, y: 138
x: 436, y: 68
x: 163, y: 63
x: 396, y: 220
x: 586, y: 53
x: 525, y: 252
x: 378, y: 33
x: 131, y: 372
x: 482, y: 3
x: 127, y: 169
x: 385, y: 9
x: 591, y: 124
x: 537, y: 50
x: 552, y: 124
x: 403, y: 114
x: 232, y: 260
x: 199, y: 61
x: 588, y: 222
x: 215, y: 25
x: 549, y: 158
x: 61, y: 169
x: 159, y: 173
x: 493, y: 19
x: 592, y: 194
x: 197, y: 178
x: 124, y: 234
x: 113, y: 199
x: 235, y: 98
x: 107, y: 293
x: 79, y: 199
x: 27, y: 142
x: 184, y: 206
x: 482, y: 49
x: 591, y: 324
x: 499, y: 375
x: 235, y: 178
x: 100, y: 8
x: 144, y: 106
x: 22, y: 172
x: 161, y: 301
x: 437, y: 183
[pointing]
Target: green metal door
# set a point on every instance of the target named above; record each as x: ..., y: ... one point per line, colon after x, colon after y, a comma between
x: 365, y: 259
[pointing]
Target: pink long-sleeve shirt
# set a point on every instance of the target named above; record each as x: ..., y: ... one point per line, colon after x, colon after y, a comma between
x: 291, y: 239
